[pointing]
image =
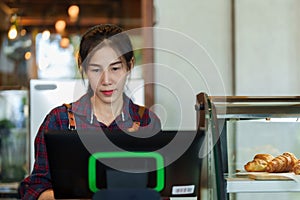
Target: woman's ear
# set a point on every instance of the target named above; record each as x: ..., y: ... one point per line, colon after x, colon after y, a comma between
x: 131, y: 63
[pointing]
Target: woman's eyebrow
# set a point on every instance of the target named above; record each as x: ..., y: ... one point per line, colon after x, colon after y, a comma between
x: 99, y: 65
x: 115, y: 62
x: 95, y: 65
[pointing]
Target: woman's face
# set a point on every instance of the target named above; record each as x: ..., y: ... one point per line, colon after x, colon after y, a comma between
x: 107, y: 73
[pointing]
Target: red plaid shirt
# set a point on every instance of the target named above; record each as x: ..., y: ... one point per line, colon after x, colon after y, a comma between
x: 40, y: 179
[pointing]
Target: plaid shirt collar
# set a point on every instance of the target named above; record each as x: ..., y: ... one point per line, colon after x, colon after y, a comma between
x: 83, y: 107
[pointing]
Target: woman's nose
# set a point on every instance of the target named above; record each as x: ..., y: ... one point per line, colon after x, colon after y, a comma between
x: 105, y: 78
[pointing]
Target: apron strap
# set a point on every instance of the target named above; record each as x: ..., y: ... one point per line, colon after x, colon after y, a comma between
x: 72, y: 122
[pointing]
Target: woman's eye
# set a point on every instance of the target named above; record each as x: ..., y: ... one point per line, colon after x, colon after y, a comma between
x: 115, y: 68
x: 95, y: 70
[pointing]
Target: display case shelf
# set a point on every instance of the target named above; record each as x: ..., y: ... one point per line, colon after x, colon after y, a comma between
x: 247, y: 185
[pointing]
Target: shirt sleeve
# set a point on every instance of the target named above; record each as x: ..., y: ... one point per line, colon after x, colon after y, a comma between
x: 155, y: 121
x: 40, y: 179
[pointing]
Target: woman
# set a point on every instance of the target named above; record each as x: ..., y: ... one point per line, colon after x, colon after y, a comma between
x: 106, y: 58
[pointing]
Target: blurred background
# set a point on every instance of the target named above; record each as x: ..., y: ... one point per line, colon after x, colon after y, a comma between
x: 232, y: 47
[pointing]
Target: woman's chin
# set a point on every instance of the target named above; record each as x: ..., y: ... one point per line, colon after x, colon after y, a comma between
x: 109, y: 98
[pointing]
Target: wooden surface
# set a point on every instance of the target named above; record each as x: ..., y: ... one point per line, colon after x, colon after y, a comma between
x: 269, y: 176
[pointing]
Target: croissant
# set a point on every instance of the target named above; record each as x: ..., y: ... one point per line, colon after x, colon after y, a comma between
x: 296, y: 168
x: 259, y: 163
x: 282, y: 163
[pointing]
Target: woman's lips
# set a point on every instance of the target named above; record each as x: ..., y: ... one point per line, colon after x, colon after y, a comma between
x: 107, y: 92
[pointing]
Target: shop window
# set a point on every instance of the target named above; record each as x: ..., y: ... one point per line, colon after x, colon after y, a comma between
x: 56, y: 56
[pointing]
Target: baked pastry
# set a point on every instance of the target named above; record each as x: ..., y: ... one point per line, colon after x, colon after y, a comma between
x: 264, y: 156
x: 296, y: 168
x: 282, y: 163
x: 293, y: 157
x: 259, y: 163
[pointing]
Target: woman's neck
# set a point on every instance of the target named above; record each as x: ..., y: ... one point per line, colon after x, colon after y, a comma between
x: 106, y: 112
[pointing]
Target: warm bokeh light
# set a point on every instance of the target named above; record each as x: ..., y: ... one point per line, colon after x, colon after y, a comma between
x: 27, y: 55
x: 23, y: 32
x: 65, y: 42
x: 73, y: 12
x: 60, y: 26
x: 13, y: 18
x: 12, y: 33
x: 46, y: 35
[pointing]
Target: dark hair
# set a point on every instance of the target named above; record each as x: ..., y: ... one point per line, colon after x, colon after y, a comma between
x: 99, y: 36
x: 104, y: 34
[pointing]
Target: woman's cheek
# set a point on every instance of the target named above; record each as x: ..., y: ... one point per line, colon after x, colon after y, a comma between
x: 94, y: 84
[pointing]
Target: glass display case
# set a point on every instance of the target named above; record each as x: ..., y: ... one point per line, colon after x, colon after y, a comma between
x: 243, y: 126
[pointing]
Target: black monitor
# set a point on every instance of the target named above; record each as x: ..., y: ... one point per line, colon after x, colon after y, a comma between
x: 84, y: 162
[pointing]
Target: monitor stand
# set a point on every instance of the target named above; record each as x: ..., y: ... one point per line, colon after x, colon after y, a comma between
x: 120, y: 179
x: 126, y: 186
